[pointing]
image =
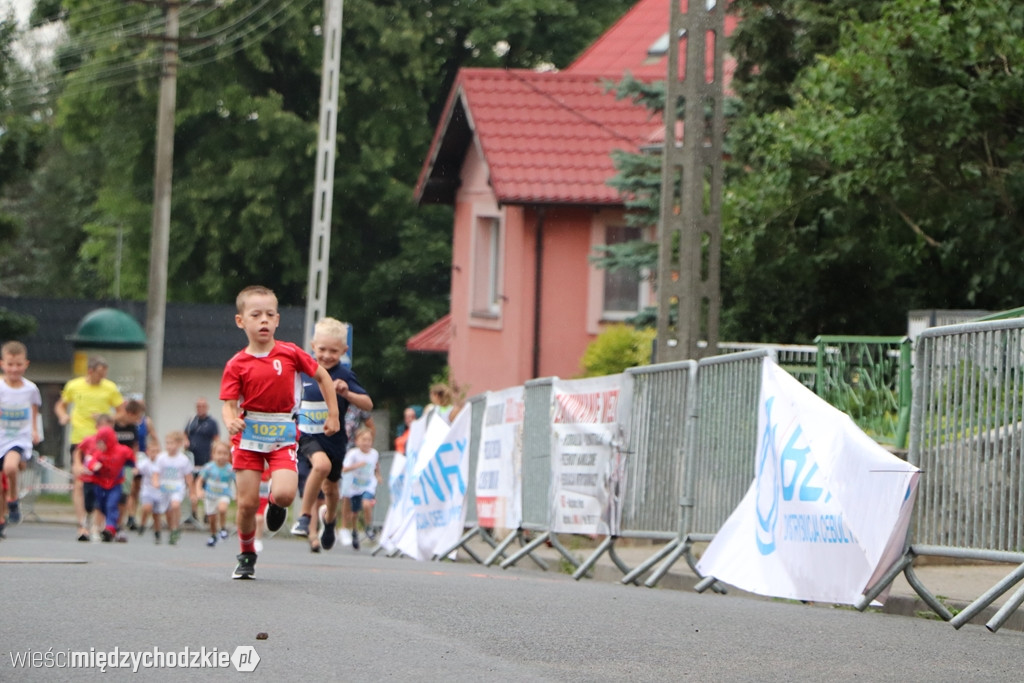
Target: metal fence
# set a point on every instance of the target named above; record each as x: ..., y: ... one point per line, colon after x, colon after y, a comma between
x: 966, y: 436
x: 719, y: 462
x: 869, y: 379
x: 662, y: 398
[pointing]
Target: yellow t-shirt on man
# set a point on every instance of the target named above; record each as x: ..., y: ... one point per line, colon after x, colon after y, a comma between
x: 87, y: 401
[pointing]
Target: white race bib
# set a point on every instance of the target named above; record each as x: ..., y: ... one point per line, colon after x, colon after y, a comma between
x: 266, y: 432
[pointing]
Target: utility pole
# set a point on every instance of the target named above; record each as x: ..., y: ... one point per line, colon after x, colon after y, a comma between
x: 323, y: 192
x: 156, y: 303
x: 689, y: 225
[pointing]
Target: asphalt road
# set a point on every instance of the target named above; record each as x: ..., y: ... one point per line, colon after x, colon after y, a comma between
x: 344, y: 615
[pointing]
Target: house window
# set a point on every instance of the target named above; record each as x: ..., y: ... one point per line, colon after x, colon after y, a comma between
x: 622, y: 287
x: 486, y: 266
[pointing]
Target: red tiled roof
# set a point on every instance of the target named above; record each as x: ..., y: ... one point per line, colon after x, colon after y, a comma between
x: 626, y: 45
x: 546, y: 137
x: 433, y: 338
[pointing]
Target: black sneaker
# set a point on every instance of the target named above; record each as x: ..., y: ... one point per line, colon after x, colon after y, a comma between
x: 355, y: 540
x: 14, y: 512
x: 246, y: 568
x: 3, y: 527
x: 132, y: 524
x: 107, y: 535
x: 327, y: 535
x: 301, y: 527
x: 275, y: 517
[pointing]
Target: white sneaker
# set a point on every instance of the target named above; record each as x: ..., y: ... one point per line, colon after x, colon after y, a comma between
x: 345, y: 536
x: 258, y: 544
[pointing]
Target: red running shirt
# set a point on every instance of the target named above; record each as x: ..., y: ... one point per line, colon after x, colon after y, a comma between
x: 267, y: 384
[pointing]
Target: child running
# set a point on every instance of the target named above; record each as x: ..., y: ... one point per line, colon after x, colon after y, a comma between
x: 324, y: 454
x: 259, y: 390
x: 215, y: 484
x: 360, y: 468
x: 106, y: 460
x: 19, y: 413
x: 174, y: 479
x: 151, y: 502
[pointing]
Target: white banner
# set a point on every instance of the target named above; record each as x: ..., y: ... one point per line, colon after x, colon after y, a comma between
x: 588, y: 467
x: 434, y: 495
x: 398, y: 518
x: 828, y: 510
x: 499, y: 461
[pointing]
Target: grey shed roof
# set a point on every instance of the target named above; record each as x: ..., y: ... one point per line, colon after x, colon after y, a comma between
x: 195, y: 335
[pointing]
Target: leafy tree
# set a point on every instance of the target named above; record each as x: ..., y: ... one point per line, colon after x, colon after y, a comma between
x: 246, y: 123
x: 875, y: 165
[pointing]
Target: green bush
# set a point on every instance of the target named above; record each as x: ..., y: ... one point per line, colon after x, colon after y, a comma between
x: 617, y: 348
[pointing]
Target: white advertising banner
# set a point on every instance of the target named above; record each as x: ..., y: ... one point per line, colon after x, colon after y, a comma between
x: 499, y: 460
x: 434, y: 493
x: 828, y: 510
x: 398, y: 517
x: 588, y: 467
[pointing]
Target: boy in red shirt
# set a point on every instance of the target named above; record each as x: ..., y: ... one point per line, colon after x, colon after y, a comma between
x: 260, y: 393
x: 105, y: 460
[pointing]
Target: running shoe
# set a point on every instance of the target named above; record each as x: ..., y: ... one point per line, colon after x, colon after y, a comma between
x: 175, y: 535
x: 156, y: 537
x: 107, y: 535
x: 301, y: 527
x: 120, y: 538
x: 3, y: 528
x: 211, y: 541
x: 346, y: 536
x: 258, y: 544
x: 355, y: 540
x: 246, y: 568
x: 223, y: 534
x: 327, y: 534
x: 14, y: 512
x: 275, y: 517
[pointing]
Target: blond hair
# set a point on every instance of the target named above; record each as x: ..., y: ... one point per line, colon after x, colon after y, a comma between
x: 331, y: 328
x: 14, y: 348
x: 251, y: 290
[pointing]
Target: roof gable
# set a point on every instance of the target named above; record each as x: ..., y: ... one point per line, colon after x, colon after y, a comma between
x: 547, y: 137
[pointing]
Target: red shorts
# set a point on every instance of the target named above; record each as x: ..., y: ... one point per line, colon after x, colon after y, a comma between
x: 281, y: 459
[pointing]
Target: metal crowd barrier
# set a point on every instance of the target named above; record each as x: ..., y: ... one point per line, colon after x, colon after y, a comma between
x: 477, y: 404
x: 536, y: 477
x: 966, y: 434
x: 718, y: 455
x: 661, y: 399
x: 380, y: 508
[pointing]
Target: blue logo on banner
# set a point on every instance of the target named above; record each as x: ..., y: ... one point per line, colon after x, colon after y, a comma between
x: 786, y: 476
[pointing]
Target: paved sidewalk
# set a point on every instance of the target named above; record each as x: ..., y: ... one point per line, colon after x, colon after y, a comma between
x: 955, y: 584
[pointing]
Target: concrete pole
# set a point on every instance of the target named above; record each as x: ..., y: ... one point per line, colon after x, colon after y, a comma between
x: 323, y: 192
x: 156, y: 303
x: 689, y: 225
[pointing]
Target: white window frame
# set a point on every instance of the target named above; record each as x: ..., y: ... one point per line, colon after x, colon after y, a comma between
x: 487, y: 264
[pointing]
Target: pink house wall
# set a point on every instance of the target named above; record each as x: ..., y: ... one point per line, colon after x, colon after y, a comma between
x: 487, y: 354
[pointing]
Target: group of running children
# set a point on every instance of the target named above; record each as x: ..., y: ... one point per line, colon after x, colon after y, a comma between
x: 272, y: 446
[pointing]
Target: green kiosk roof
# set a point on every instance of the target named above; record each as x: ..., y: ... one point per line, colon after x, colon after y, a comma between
x: 108, y: 328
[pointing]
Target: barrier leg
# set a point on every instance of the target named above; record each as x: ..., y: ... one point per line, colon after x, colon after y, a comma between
x: 623, y: 567
x: 585, y: 566
x: 663, y: 568
x: 526, y: 550
x: 1000, y: 617
x: 557, y: 545
x: 634, y: 576
x: 499, y: 550
x: 887, y: 578
x: 461, y: 544
x: 986, y: 599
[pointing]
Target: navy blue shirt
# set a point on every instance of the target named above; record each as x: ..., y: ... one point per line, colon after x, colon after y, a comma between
x: 336, y: 444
